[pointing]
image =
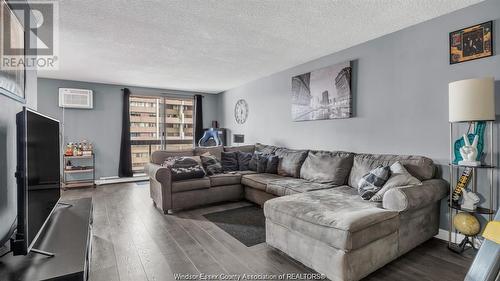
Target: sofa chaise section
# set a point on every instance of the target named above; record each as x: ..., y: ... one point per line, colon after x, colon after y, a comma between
x: 337, y: 233
x: 333, y: 231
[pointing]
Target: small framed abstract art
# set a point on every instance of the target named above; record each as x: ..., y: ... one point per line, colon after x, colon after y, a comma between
x: 471, y: 43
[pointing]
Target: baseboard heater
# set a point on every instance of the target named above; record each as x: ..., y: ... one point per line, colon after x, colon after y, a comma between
x: 116, y: 179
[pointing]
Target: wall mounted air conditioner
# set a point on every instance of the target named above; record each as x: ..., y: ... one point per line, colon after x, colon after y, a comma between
x: 76, y: 98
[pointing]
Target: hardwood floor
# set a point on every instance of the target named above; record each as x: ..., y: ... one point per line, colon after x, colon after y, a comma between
x: 135, y: 241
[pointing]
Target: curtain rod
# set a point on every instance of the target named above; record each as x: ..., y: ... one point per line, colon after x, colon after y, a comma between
x: 165, y: 94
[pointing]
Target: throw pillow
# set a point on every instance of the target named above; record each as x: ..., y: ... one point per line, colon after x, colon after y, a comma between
x: 372, y: 182
x: 211, y: 164
x: 290, y: 162
x: 272, y: 164
x: 229, y: 161
x: 244, y: 160
x: 184, y: 168
x: 399, y: 177
x: 258, y: 163
x: 330, y: 167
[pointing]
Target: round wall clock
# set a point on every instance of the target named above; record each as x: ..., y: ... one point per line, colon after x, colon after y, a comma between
x: 241, y: 111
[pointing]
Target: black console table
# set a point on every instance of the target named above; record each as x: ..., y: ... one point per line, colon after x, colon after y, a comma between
x: 68, y: 234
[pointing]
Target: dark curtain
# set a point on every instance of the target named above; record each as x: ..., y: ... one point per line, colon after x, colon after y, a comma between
x: 125, y: 165
x: 198, y: 118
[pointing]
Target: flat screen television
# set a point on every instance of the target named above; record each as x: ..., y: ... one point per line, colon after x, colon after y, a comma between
x: 38, y: 176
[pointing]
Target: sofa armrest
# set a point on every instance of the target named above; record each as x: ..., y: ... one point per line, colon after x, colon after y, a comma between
x: 414, y: 197
x: 160, y: 185
x: 158, y: 173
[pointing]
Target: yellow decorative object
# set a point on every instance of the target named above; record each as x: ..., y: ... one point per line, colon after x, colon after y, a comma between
x: 492, y: 231
x: 466, y: 224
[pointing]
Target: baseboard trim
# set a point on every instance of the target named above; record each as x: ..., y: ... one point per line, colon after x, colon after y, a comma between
x: 112, y: 180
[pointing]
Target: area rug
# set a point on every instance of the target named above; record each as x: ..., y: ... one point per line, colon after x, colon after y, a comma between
x: 247, y: 224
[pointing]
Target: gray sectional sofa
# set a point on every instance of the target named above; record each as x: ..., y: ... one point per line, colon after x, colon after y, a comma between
x: 317, y: 216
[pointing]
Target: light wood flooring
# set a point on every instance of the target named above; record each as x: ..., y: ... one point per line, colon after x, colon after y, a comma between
x: 133, y: 241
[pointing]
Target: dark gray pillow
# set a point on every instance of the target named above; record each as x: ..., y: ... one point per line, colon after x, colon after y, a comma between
x: 211, y: 164
x: 290, y: 162
x: 229, y: 161
x: 372, y: 182
x: 244, y: 160
x: 184, y: 168
x: 258, y: 163
x: 272, y: 164
x: 331, y: 167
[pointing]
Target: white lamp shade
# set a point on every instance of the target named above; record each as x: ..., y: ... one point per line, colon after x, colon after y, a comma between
x: 472, y: 100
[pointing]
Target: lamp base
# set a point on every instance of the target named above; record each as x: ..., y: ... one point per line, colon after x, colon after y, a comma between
x: 469, y: 163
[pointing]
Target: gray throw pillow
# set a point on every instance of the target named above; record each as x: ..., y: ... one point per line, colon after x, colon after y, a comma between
x: 211, y: 164
x: 244, y: 160
x: 184, y: 168
x: 258, y: 163
x: 330, y: 167
x: 272, y: 164
x: 290, y: 162
x: 399, y: 177
x: 372, y: 182
x: 229, y: 161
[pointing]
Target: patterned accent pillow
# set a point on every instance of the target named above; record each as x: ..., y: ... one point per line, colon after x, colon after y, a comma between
x: 229, y: 161
x: 372, y: 182
x: 184, y: 168
x: 244, y: 160
x: 211, y: 164
x: 399, y: 177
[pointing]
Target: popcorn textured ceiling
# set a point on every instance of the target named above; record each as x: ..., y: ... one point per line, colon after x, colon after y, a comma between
x: 214, y: 45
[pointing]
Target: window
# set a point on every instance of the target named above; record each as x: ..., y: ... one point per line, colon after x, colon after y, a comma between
x: 159, y: 123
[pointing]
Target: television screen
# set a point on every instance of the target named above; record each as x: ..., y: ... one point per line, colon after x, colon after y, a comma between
x: 39, y: 190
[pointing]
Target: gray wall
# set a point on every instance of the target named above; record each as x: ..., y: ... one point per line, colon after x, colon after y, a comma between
x: 102, y: 124
x: 401, y: 94
x: 8, y: 160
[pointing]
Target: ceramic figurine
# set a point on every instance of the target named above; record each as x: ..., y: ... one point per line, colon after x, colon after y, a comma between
x: 469, y: 200
x: 479, y: 129
x: 469, y: 152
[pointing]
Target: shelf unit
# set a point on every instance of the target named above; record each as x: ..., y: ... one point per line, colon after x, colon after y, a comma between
x: 88, y: 171
x: 454, y: 176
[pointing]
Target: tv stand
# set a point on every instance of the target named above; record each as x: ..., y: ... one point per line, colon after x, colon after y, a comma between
x: 63, y: 249
x: 64, y: 204
x: 43, y: 253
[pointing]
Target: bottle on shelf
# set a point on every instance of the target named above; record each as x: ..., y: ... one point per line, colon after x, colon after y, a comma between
x: 69, y: 150
x: 69, y: 166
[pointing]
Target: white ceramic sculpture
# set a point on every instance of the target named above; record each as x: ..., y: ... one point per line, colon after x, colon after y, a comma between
x: 469, y: 152
x: 469, y: 200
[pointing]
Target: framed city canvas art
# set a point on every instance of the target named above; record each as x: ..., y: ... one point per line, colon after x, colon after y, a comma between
x: 323, y: 93
x: 471, y: 43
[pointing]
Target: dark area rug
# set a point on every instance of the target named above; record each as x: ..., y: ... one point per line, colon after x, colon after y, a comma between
x: 247, y: 224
